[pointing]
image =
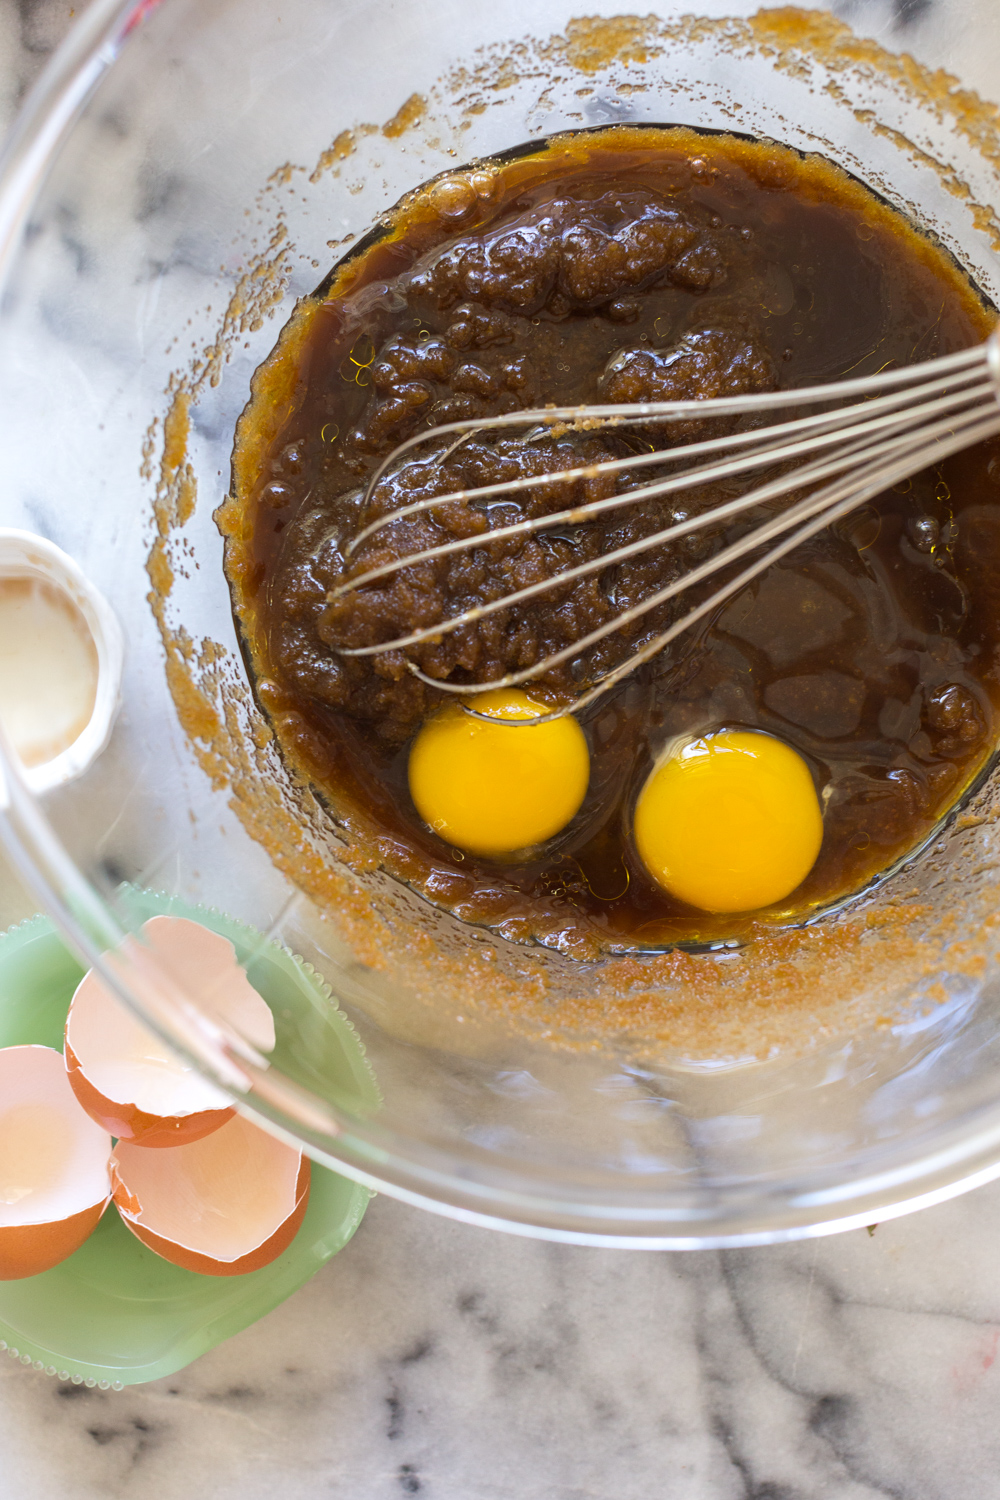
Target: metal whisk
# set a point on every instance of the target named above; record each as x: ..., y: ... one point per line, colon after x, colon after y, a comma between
x: 896, y: 423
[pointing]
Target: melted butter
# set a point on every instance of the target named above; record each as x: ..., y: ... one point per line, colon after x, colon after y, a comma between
x: 48, y: 669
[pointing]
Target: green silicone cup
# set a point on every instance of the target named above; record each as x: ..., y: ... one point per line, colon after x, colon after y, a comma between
x: 115, y: 1314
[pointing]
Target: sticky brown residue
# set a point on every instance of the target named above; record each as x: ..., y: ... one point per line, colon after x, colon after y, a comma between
x: 594, y: 42
x: 256, y: 295
x: 176, y: 487
x: 176, y: 430
x: 408, y: 115
x: 196, y: 712
x: 257, y: 292
x: 149, y: 450
x: 792, y: 39
x: 344, y: 146
x: 282, y: 176
x: 161, y: 574
x: 786, y: 990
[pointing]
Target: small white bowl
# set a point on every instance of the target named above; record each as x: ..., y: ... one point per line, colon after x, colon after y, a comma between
x: 23, y: 555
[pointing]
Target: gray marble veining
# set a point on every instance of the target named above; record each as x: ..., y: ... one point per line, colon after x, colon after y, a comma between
x: 434, y: 1359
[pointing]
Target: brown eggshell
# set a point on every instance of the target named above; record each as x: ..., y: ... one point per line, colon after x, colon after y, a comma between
x: 54, y: 1164
x: 29, y: 1249
x: 190, y: 1260
x: 129, y: 1081
x: 129, y: 1123
x: 175, y: 1203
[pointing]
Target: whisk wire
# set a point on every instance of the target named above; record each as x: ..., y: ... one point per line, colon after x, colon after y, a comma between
x: 754, y: 498
x: 789, y: 440
x: 924, y: 380
x: 860, y: 439
x: 985, y: 356
x: 858, y: 492
x: 903, y: 421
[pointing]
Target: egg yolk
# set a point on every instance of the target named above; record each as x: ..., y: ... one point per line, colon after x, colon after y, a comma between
x: 491, y: 788
x: 729, y: 822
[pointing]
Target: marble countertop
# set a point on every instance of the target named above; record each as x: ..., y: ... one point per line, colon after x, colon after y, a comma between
x: 436, y: 1359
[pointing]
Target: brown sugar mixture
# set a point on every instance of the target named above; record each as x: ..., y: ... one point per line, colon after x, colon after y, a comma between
x: 620, y: 265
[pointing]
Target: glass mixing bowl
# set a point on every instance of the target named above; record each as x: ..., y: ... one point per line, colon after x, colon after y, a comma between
x: 180, y: 175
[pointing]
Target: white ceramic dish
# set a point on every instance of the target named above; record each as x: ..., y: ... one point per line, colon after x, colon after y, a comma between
x: 23, y: 555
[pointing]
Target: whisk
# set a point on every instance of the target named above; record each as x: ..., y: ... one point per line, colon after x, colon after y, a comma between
x: 896, y: 423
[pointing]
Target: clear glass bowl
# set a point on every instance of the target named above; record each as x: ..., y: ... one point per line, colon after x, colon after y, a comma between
x: 181, y: 174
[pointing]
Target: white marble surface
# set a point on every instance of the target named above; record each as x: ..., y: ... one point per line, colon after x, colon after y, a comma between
x: 435, y: 1359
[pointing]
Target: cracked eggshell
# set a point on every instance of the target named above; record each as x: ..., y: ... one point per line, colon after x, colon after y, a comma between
x: 54, y: 1164
x: 129, y: 1081
x: 223, y: 1205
